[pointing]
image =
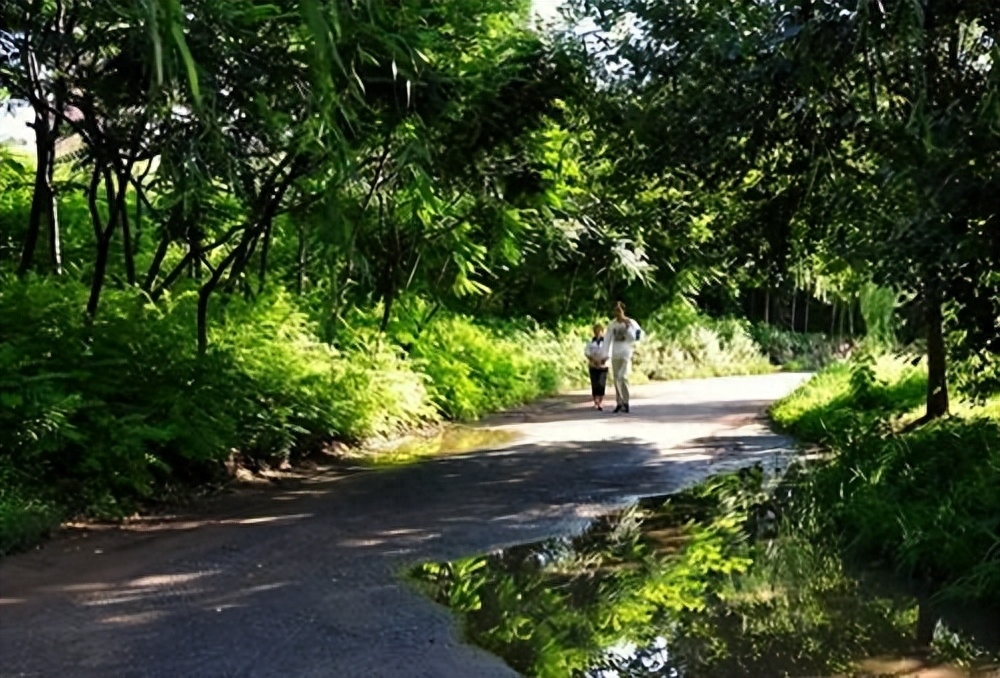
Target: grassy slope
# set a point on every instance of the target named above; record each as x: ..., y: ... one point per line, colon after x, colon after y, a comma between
x: 926, y: 499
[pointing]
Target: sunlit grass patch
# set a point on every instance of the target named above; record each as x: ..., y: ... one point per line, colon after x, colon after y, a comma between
x: 824, y: 406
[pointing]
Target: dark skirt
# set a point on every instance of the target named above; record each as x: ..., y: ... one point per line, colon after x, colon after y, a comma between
x: 598, y: 380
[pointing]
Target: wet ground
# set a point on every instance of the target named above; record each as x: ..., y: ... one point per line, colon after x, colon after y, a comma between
x: 734, y: 578
x: 304, y: 578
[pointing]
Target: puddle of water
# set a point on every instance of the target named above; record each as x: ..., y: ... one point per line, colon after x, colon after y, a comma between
x: 447, y: 440
x: 732, y: 578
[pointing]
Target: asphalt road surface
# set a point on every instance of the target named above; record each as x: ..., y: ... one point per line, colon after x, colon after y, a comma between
x: 302, y: 579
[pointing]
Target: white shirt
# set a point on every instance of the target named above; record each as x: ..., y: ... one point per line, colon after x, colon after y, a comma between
x: 596, y: 350
x: 621, y: 337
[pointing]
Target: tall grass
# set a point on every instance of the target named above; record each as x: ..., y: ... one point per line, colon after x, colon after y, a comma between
x: 878, y: 308
x: 924, y: 499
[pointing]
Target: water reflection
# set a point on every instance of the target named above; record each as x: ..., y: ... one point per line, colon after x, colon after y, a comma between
x: 732, y: 578
x: 452, y: 439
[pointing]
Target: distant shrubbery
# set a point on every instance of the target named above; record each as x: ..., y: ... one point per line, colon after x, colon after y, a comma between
x: 924, y: 498
x: 797, y: 351
x: 680, y: 343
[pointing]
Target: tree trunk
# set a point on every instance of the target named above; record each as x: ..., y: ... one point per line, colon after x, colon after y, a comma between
x: 205, y: 291
x: 103, y: 241
x: 127, y: 239
x: 140, y: 197
x: 137, y: 243
x: 235, y: 262
x: 55, y: 239
x: 264, y: 249
x: 43, y: 207
x: 937, y: 380
x: 116, y: 207
x: 389, y: 272
x: 154, y: 266
x: 387, y: 301
x: 805, y: 321
x: 794, y: 294
x: 100, y: 268
x: 926, y: 621
x: 43, y: 229
x: 300, y: 258
x: 767, y: 307
x: 850, y: 318
x: 833, y: 319
x: 195, y: 247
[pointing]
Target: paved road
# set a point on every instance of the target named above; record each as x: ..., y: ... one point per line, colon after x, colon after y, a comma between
x: 302, y: 580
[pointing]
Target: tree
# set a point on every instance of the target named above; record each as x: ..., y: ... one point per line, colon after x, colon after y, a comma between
x: 861, y: 132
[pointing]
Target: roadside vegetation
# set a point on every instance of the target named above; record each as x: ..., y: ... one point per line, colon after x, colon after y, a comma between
x: 733, y: 577
x: 922, y: 499
x: 106, y: 416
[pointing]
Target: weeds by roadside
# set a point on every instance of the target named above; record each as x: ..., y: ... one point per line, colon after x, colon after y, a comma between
x: 925, y: 499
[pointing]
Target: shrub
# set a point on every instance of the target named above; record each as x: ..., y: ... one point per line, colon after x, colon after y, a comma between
x: 679, y: 344
x: 473, y: 370
x: 797, y: 351
x: 106, y: 411
x: 924, y: 498
x: 25, y: 517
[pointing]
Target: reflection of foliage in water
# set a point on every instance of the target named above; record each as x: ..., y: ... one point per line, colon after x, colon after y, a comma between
x: 727, y: 579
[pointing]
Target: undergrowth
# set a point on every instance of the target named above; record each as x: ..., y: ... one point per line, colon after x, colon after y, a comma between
x: 796, y: 351
x: 923, y: 498
x: 105, y: 417
x: 680, y: 343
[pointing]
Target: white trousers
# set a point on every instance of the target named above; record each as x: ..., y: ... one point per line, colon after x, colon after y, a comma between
x: 620, y: 368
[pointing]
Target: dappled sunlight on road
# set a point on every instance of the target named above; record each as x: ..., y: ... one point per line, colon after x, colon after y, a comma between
x: 918, y: 667
x: 304, y: 568
x: 663, y: 414
x: 265, y: 519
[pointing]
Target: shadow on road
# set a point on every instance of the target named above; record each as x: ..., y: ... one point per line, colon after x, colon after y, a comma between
x: 303, y: 579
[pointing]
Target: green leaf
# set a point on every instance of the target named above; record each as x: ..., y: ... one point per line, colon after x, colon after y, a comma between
x: 189, y: 65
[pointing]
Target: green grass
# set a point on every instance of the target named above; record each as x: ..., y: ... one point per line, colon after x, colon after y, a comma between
x: 826, y: 406
x: 924, y: 499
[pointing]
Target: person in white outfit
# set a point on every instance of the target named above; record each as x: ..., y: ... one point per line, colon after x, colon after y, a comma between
x: 620, y: 339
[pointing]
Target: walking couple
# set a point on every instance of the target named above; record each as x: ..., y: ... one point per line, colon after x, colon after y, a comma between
x: 618, y: 344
